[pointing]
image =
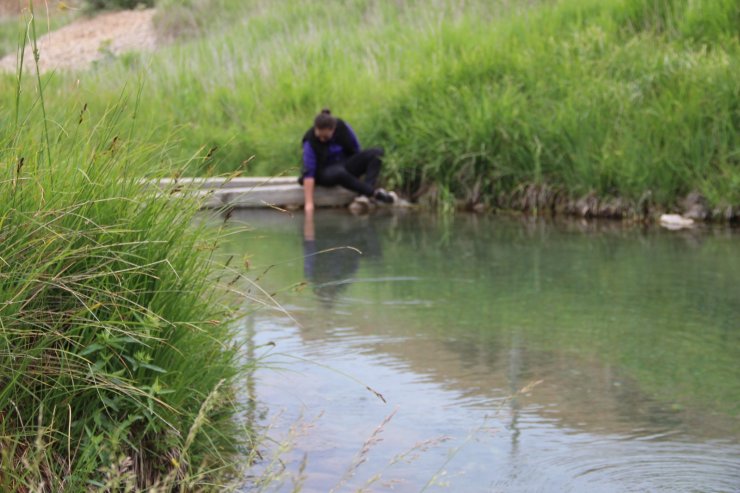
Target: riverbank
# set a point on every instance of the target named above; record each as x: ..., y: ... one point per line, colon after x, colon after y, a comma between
x: 543, y: 200
x: 495, y: 105
x: 283, y: 193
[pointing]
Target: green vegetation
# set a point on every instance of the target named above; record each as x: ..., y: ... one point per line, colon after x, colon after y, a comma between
x: 117, y: 359
x: 617, y: 98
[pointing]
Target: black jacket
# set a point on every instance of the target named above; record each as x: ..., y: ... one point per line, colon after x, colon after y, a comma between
x: 342, y: 136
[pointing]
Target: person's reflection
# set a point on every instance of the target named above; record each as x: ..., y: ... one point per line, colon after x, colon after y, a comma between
x: 332, y: 248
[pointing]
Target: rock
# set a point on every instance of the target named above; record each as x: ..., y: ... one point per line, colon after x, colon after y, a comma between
x: 730, y: 213
x: 612, y: 209
x: 675, y: 221
x: 560, y: 204
x: 724, y: 212
x: 400, y: 202
x: 587, y: 206
x: 645, y: 204
x: 695, y: 207
x: 429, y: 198
x: 361, y: 205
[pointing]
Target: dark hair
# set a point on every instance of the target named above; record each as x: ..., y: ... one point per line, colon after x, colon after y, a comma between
x: 325, y: 120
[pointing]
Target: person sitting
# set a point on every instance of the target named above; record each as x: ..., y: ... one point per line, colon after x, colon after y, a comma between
x: 332, y: 156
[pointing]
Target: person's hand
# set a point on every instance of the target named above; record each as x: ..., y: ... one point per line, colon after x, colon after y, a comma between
x: 308, y: 187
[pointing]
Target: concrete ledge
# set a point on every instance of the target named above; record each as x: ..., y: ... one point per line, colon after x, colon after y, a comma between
x: 217, y: 183
x: 255, y: 192
x: 277, y: 195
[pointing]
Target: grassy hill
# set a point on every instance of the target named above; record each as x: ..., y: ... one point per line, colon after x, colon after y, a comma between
x: 486, y: 100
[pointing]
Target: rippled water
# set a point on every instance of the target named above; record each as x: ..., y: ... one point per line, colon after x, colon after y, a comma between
x: 513, y: 355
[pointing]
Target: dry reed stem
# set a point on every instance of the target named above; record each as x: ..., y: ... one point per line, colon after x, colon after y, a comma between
x: 362, y: 456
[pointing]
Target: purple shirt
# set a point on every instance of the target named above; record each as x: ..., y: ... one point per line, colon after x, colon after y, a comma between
x: 336, y: 154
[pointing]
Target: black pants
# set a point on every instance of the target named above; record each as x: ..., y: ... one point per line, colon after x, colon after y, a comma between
x: 347, y: 173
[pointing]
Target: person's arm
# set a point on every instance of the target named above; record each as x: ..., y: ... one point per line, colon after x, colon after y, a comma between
x: 309, y: 174
x: 309, y: 247
x: 308, y: 186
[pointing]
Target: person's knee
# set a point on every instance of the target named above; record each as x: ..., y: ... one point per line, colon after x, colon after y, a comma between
x: 328, y: 178
x: 341, y: 177
x: 376, y: 151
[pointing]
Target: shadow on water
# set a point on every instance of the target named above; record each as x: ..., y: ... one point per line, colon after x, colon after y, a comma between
x: 633, y: 332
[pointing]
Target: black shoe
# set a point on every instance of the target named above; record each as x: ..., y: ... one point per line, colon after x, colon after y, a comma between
x: 383, y: 196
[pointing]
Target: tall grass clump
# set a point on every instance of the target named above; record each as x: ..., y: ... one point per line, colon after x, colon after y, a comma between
x: 117, y: 360
x: 585, y: 109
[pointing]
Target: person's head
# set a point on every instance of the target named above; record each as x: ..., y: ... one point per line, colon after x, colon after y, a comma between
x: 324, y: 125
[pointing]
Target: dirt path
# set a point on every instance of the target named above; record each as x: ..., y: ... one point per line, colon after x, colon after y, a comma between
x: 77, y: 45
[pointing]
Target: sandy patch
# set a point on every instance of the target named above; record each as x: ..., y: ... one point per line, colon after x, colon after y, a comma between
x: 14, y: 7
x: 77, y: 45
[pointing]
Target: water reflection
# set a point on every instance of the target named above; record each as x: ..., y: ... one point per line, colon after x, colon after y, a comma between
x: 333, y: 247
x: 633, y: 331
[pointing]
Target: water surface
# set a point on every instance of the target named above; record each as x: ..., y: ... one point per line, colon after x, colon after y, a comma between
x: 512, y: 354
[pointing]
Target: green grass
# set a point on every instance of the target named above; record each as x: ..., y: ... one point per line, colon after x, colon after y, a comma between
x: 614, y: 97
x: 118, y: 359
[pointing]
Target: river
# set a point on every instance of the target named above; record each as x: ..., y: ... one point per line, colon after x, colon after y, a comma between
x: 482, y: 353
